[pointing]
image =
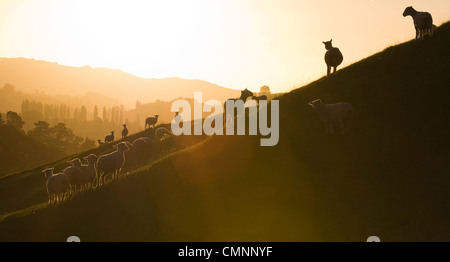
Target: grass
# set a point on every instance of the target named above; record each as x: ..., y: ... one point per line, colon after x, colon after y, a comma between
x: 388, y: 177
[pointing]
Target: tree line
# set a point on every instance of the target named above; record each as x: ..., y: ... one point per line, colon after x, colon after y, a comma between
x: 58, y: 136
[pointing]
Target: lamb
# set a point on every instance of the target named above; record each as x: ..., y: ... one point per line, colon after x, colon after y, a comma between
x: 111, y: 163
x: 423, y: 22
x: 333, y: 57
x: 74, y: 174
x: 124, y: 131
x: 332, y: 114
x: 109, y: 138
x: 100, y: 143
x: 57, y: 185
x: 88, y: 170
x: 151, y: 121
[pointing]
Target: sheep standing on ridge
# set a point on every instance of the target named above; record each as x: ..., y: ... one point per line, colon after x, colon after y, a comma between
x: 423, y: 22
x: 124, y: 131
x: 333, y: 57
x: 109, y: 138
x: 74, y: 174
x: 111, y: 163
x: 333, y: 114
x: 100, y: 143
x: 57, y: 185
x: 88, y: 170
x: 151, y: 121
x: 258, y: 98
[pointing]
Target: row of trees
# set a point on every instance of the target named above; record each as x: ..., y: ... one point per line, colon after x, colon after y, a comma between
x: 58, y: 136
x: 38, y: 111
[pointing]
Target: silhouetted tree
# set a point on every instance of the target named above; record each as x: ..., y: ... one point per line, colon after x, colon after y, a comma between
x: 264, y: 90
x: 14, y: 120
x: 105, y: 119
x: 1, y: 120
x: 64, y: 139
x: 41, y: 132
x: 95, y: 113
x: 83, y: 114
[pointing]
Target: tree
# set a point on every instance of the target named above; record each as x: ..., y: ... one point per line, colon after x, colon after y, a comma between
x: 64, y: 139
x: 41, y: 132
x: 83, y: 114
x: 1, y: 120
x: 14, y: 120
x: 104, y: 115
x: 264, y: 90
x: 95, y: 113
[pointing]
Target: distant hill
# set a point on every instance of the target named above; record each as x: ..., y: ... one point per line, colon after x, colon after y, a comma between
x: 29, y: 75
x: 11, y: 99
x: 389, y: 177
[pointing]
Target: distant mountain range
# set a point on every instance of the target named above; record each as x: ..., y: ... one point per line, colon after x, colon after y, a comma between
x: 29, y: 75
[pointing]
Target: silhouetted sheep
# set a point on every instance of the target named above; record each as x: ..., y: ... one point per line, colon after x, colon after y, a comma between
x: 333, y: 114
x: 57, y: 185
x: 109, y: 138
x: 75, y: 175
x: 88, y: 170
x: 258, y: 98
x: 423, y: 22
x: 333, y: 57
x: 100, y: 143
x: 124, y: 131
x: 111, y: 163
x: 139, y: 153
x: 245, y: 94
x: 151, y: 121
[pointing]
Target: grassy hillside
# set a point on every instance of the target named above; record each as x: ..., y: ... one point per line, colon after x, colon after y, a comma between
x: 388, y: 177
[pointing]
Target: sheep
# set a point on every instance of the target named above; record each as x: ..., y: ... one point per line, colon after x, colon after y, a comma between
x: 124, y: 131
x: 140, y: 152
x: 165, y: 140
x: 162, y: 132
x: 423, y: 22
x: 111, y: 163
x: 109, y: 138
x: 57, y: 185
x: 258, y: 98
x: 332, y: 114
x: 333, y: 57
x: 151, y: 121
x: 100, y: 143
x: 74, y: 174
x: 89, y: 173
x: 228, y: 116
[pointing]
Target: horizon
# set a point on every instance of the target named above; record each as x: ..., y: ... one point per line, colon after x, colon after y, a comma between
x: 263, y: 44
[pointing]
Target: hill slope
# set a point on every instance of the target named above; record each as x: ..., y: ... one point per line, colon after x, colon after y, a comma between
x: 29, y: 75
x: 388, y: 177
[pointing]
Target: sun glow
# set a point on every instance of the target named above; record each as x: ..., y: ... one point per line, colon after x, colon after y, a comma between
x: 234, y: 43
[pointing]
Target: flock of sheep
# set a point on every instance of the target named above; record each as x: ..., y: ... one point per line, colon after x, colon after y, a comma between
x: 79, y: 177
x: 339, y: 114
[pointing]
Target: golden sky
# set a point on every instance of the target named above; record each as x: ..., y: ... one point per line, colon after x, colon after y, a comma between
x: 234, y: 43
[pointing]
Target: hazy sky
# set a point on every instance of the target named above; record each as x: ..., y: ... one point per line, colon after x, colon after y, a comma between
x: 234, y: 43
